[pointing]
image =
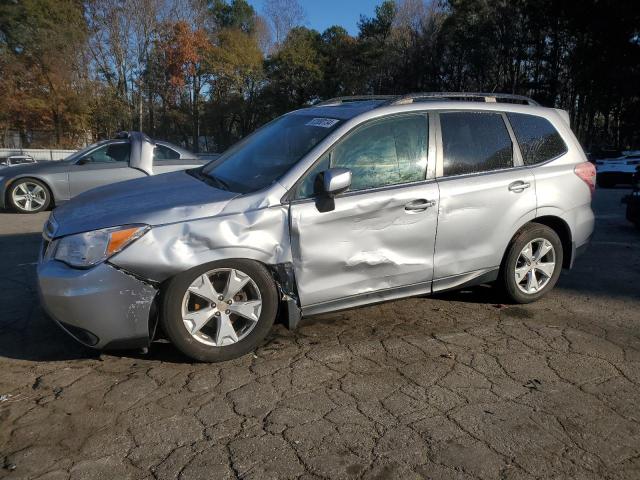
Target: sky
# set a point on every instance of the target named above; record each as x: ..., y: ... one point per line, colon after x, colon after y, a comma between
x: 322, y: 14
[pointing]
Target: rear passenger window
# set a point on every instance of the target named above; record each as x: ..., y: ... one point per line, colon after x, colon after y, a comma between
x: 537, y: 138
x: 474, y: 142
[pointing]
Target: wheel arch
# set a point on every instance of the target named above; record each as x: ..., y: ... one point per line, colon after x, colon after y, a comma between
x: 560, y: 227
x: 563, y: 231
x: 282, y: 274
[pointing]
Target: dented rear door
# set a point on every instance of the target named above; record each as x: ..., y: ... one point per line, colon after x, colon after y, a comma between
x: 486, y: 195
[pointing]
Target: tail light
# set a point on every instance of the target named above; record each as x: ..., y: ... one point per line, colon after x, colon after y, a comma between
x: 587, y: 173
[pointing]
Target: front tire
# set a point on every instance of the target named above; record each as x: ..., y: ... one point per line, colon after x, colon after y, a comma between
x: 29, y: 195
x: 532, y: 264
x: 221, y: 310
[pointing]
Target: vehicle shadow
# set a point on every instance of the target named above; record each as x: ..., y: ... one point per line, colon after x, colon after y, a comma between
x: 485, y: 293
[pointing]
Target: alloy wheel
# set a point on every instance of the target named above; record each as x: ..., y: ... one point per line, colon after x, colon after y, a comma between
x: 221, y: 307
x: 535, y: 266
x: 29, y: 196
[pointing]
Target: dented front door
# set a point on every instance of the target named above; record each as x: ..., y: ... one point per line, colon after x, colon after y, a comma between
x: 373, y: 245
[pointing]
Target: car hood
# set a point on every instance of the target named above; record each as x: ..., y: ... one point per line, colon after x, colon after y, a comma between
x: 156, y: 200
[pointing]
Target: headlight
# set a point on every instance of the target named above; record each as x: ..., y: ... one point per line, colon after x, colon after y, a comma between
x: 85, y: 250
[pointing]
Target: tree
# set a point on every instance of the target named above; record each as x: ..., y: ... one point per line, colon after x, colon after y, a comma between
x: 122, y: 34
x: 375, y: 56
x: 295, y: 71
x: 236, y: 14
x: 42, y: 46
x: 207, y: 70
x: 342, y: 68
x: 182, y: 55
x: 237, y: 74
x: 282, y: 16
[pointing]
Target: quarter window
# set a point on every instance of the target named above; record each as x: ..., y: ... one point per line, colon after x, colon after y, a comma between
x: 474, y: 142
x: 161, y: 153
x: 387, y: 152
x: 537, y: 138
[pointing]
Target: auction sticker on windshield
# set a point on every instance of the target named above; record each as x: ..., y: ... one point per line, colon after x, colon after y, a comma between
x: 322, y: 122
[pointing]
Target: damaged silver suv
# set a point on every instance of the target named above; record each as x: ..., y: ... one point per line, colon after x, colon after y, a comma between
x: 352, y: 201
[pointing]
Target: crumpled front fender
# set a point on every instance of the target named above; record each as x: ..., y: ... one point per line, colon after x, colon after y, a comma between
x: 260, y: 234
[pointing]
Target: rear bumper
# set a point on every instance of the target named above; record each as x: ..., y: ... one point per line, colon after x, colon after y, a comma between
x: 579, y: 250
x: 101, y: 307
x: 581, y: 222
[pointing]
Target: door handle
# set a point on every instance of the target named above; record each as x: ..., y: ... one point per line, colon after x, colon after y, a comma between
x: 419, y: 205
x: 518, y: 186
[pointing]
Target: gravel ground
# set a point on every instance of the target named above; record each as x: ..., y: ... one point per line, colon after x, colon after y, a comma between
x: 457, y: 386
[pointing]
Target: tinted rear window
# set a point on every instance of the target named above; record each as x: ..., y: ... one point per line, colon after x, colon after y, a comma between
x: 539, y: 141
x: 475, y: 142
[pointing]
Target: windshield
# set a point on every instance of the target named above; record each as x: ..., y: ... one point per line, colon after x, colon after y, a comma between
x: 74, y: 156
x: 267, y: 154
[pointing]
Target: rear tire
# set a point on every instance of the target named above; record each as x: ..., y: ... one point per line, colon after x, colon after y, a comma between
x: 29, y: 195
x: 532, y: 264
x: 224, y: 334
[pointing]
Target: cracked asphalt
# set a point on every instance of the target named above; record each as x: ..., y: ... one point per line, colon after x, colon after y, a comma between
x: 454, y: 387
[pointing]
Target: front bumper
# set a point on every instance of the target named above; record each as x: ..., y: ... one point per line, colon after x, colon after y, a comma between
x: 102, y: 307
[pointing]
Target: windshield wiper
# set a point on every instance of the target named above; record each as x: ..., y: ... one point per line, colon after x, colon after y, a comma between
x: 208, y: 178
x: 218, y: 181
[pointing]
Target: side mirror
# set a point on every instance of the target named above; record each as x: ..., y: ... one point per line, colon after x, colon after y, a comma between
x: 84, y: 161
x: 336, y: 181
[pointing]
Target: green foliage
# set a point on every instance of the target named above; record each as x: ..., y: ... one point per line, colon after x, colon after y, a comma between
x: 378, y: 27
x: 42, y: 67
x: 295, y: 71
x: 342, y: 72
x: 234, y: 14
x: 74, y: 67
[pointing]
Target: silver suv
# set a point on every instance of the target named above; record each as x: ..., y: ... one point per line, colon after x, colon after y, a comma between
x: 350, y: 202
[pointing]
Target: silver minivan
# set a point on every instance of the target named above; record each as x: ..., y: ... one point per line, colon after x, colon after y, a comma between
x: 352, y: 201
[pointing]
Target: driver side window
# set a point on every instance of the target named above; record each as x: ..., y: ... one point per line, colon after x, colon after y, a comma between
x: 391, y: 151
x: 110, y: 153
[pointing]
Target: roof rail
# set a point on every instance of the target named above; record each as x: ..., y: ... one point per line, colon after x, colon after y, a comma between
x: 353, y: 98
x: 462, y: 96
